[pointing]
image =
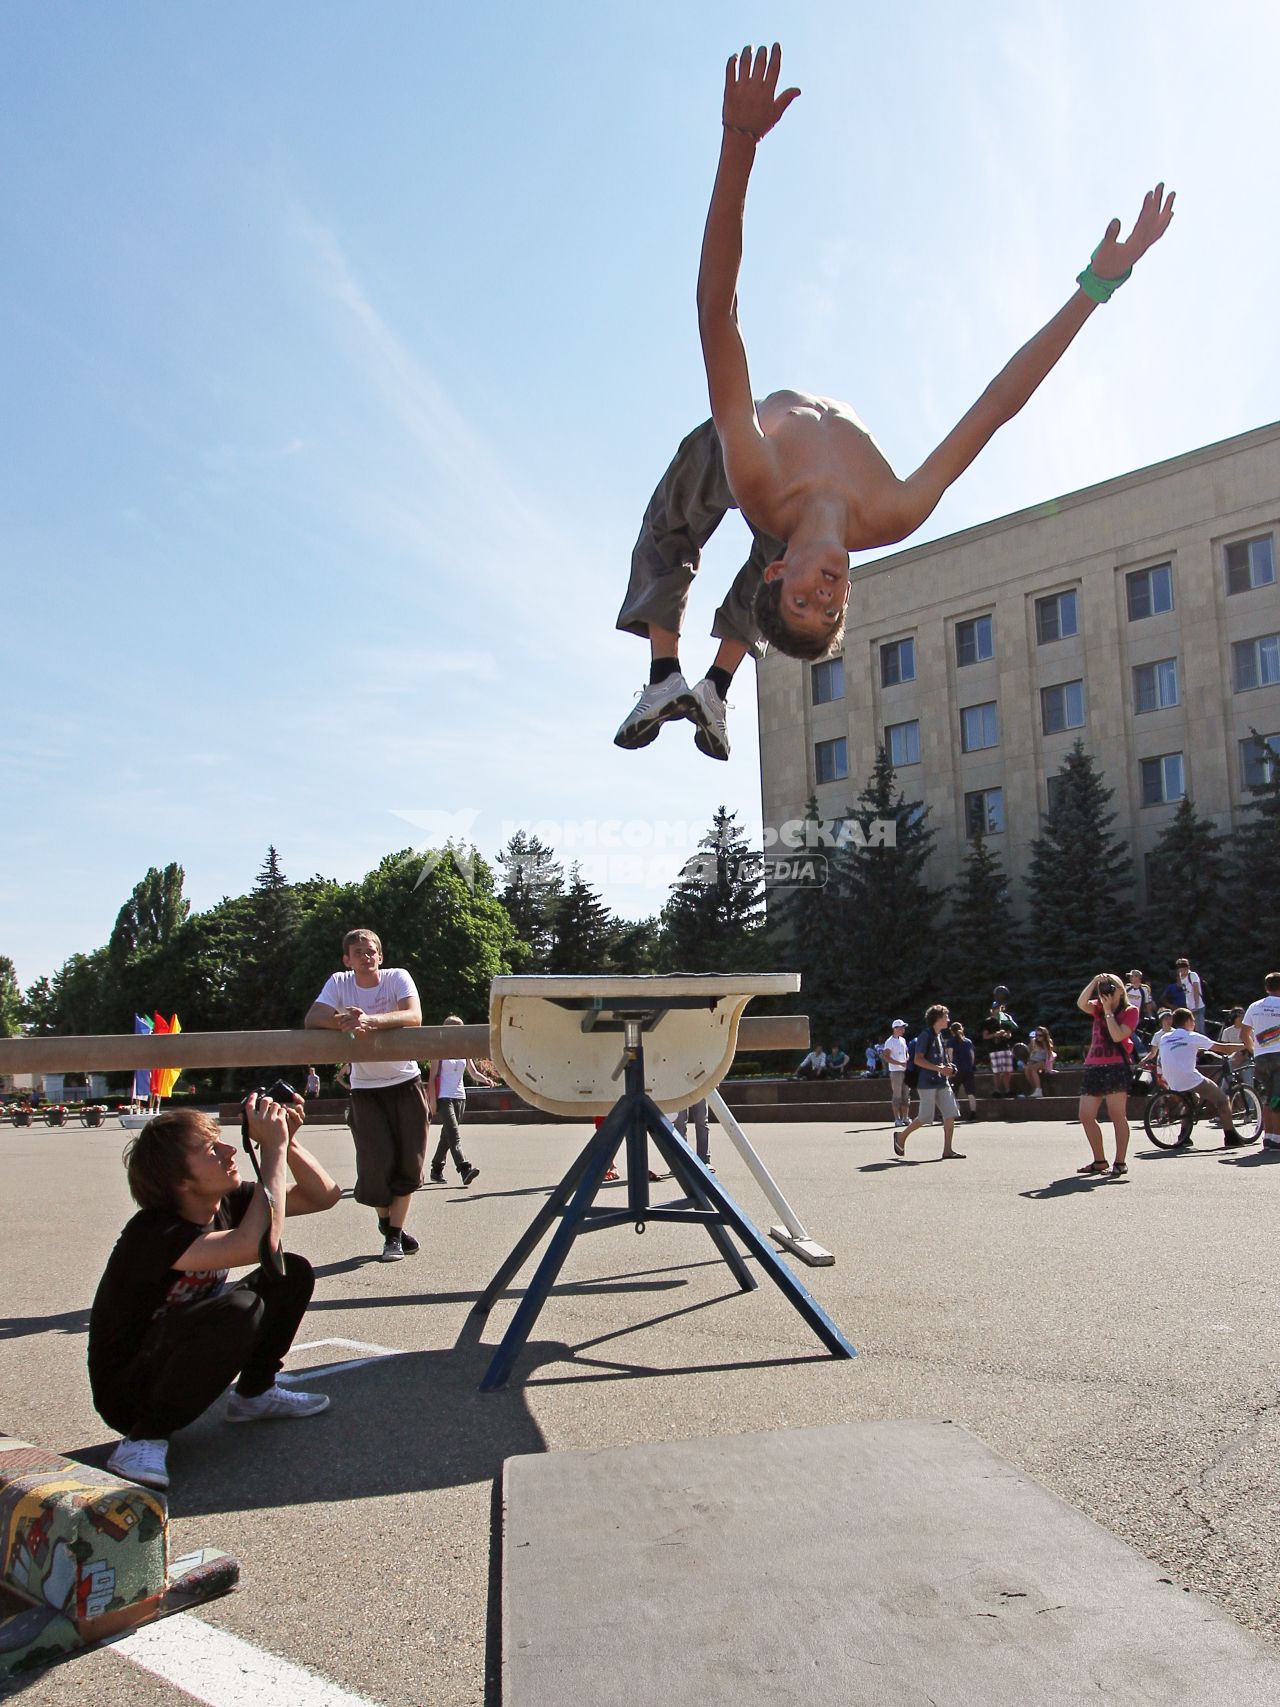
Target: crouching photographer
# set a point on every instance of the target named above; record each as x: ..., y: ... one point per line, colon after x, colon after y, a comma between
x: 167, y: 1335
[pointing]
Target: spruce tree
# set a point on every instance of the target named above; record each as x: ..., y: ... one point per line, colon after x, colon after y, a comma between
x: 1080, y: 913
x: 1252, y: 913
x: 262, y: 984
x: 10, y: 999
x: 1186, y: 903
x: 982, y: 941
x: 714, y: 918
x: 803, y: 927
x: 884, y: 957
x: 532, y: 886
x: 584, y: 929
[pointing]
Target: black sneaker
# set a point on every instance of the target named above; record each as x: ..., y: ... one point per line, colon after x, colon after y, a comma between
x: 407, y: 1241
x: 436, y: 1178
x: 1236, y: 1141
x: 393, y: 1248
x: 469, y: 1173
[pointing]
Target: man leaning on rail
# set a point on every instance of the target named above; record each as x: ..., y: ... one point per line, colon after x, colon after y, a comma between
x: 167, y: 1335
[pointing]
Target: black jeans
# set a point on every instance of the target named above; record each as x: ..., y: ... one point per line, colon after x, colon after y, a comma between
x: 450, y: 1111
x: 192, y: 1355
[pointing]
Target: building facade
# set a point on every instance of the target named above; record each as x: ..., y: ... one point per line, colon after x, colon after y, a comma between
x: 1141, y: 615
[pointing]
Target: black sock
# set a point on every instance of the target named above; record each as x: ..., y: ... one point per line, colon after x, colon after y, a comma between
x: 661, y: 668
x: 720, y: 680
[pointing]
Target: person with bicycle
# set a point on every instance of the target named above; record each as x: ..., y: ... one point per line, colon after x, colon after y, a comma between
x: 1179, y: 1049
x: 1106, y: 1073
x: 1261, y: 1028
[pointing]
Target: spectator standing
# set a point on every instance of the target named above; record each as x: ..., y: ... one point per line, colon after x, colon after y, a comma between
x: 999, y: 1029
x: 1261, y: 1027
x: 936, y: 1071
x: 897, y: 1057
x: 1233, y: 1032
x: 963, y: 1058
x: 313, y: 1083
x: 451, y: 1102
x: 390, y: 1105
x: 1107, y: 1074
x: 1193, y: 991
x: 1139, y: 994
x: 701, y: 1127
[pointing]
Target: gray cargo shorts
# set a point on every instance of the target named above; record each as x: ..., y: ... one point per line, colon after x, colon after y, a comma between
x: 689, y: 504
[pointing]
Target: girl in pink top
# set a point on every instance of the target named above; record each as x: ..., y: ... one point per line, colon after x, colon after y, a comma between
x: 1107, y: 1074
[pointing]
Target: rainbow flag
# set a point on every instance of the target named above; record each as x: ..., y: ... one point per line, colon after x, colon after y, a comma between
x: 163, y: 1079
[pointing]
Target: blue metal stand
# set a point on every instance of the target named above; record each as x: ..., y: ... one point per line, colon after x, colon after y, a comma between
x: 632, y: 1121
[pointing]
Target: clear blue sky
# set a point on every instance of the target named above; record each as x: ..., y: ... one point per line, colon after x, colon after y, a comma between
x: 344, y: 344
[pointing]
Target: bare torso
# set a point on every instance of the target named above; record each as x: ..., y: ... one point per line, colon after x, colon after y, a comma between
x: 823, y: 457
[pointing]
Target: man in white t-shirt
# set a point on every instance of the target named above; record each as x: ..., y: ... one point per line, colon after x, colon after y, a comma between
x: 390, y: 1106
x: 1261, y: 1028
x: 897, y: 1057
x: 1178, y: 1049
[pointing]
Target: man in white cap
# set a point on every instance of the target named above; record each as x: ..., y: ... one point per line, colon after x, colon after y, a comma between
x: 897, y: 1055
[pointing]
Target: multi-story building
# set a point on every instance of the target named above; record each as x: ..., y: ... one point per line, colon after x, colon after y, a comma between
x: 1141, y: 615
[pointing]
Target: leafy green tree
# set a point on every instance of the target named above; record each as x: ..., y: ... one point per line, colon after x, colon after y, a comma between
x: 10, y: 999
x: 1252, y: 915
x: 1186, y: 902
x: 1081, y: 917
x: 636, y: 948
x: 982, y: 941
x: 714, y: 918
x: 38, y: 1013
x: 152, y: 915
x: 532, y: 886
x: 78, y: 999
x: 585, y: 929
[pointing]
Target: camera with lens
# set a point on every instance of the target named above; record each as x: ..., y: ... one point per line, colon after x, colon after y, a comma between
x: 281, y: 1091
x: 1106, y: 987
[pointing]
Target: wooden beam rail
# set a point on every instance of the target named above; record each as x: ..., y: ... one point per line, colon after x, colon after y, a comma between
x: 197, y: 1049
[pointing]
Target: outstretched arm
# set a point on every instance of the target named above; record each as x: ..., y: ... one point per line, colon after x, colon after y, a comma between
x: 1017, y: 381
x: 752, y: 107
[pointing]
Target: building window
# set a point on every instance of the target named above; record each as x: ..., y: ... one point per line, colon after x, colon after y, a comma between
x: 831, y: 760
x: 984, y: 812
x: 1259, y: 765
x: 897, y: 662
x: 828, y: 681
x: 974, y: 641
x: 979, y: 727
x: 1148, y: 592
x: 1250, y: 563
x: 903, y: 743
x: 1162, y: 779
x: 1056, y: 617
x: 1256, y: 663
x: 1062, y: 707
x: 1053, y: 787
x: 1155, y: 686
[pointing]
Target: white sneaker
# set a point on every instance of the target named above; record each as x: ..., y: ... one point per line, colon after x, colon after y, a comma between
x: 657, y: 704
x: 1037, y: 1094
x: 144, y: 1461
x: 708, y: 715
x: 276, y: 1402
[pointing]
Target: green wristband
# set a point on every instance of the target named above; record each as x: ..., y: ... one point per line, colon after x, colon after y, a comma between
x: 1099, y: 289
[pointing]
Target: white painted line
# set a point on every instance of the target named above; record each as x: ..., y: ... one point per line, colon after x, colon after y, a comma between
x: 222, y: 1671
x: 375, y: 1355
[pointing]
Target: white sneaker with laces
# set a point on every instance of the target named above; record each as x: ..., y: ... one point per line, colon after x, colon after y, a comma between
x: 144, y: 1461
x: 658, y: 703
x: 708, y: 716
x: 1038, y: 1093
x: 276, y: 1402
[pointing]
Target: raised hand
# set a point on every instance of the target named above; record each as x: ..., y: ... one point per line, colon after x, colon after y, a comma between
x: 1112, y: 259
x: 751, y: 101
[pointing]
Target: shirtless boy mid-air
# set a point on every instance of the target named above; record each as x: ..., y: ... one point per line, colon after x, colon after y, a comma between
x: 808, y: 477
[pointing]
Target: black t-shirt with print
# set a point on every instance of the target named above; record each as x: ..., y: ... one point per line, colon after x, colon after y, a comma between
x: 140, y: 1283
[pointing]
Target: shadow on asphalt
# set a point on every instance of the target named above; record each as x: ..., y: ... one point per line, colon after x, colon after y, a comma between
x: 1069, y: 1186
x: 18, y: 1327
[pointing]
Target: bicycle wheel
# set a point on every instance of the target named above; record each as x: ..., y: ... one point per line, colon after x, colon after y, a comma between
x: 1163, y: 1118
x: 1246, y: 1111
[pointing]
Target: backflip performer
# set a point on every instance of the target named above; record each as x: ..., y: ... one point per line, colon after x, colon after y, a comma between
x: 807, y: 475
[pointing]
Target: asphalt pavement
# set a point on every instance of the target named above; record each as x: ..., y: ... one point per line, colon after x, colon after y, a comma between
x: 1115, y: 1339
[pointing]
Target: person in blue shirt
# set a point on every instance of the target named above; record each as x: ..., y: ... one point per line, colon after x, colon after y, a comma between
x: 962, y: 1058
x: 929, y: 1052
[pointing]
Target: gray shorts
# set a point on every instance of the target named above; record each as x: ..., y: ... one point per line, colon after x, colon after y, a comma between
x: 937, y: 1099
x: 690, y: 502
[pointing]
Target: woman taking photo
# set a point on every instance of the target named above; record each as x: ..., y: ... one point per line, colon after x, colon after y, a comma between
x: 1106, y: 1068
